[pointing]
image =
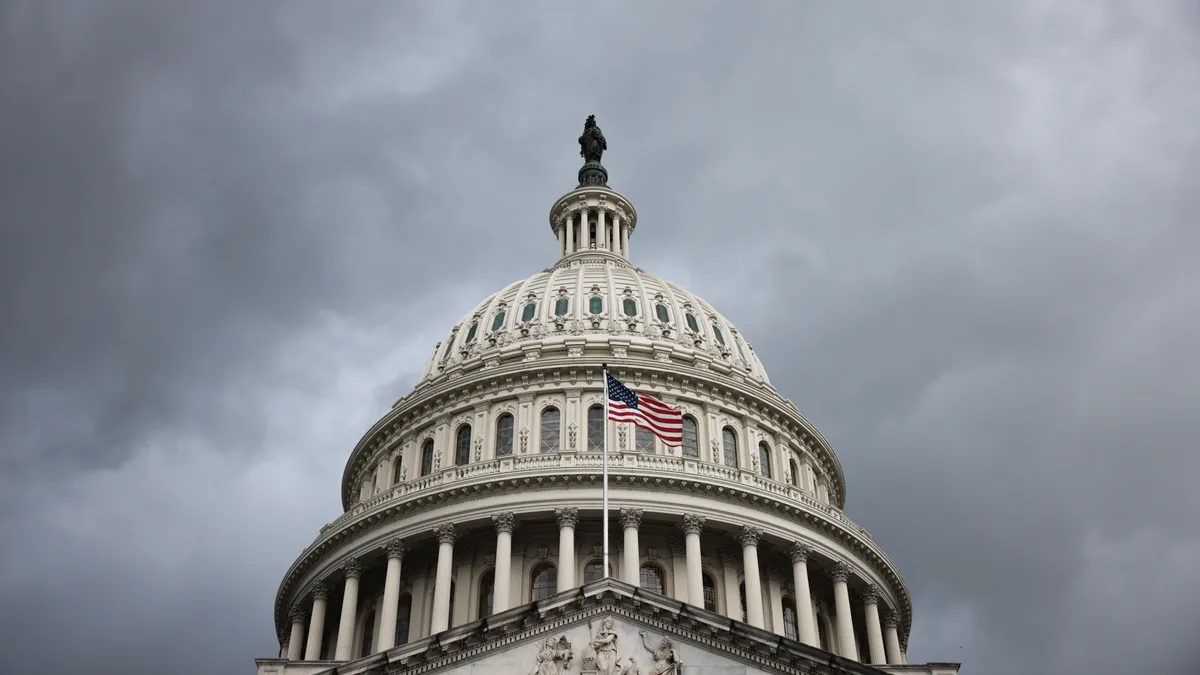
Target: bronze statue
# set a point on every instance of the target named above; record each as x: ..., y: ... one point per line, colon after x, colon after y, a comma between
x: 592, y: 143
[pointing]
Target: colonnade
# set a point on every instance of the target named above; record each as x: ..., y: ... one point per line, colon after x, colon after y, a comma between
x: 883, y: 643
x: 607, y: 223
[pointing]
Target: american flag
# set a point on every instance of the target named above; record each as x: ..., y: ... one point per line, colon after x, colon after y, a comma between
x: 645, y: 411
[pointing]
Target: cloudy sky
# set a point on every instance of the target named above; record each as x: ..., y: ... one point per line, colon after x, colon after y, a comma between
x: 962, y: 237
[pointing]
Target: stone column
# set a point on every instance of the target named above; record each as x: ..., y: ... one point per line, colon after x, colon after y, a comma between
x: 805, y: 616
x: 625, y: 240
x: 601, y: 235
x: 296, y: 642
x: 692, y: 526
x: 562, y: 241
x: 391, y: 595
x: 441, y: 583
x: 874, y: 632
x: 316, y: 623
x: 345, y: 640
x: 585, y: 232
x: 501, y: 595
x: 568, y: 518
x: 841, y: 598
x: 891, y: 640
x: 631, y: 520
x: 618, y: 230
x: 569, y: 223
x: 754, y: 608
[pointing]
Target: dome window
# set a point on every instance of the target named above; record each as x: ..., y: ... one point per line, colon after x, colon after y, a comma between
x: 596, y: 304
x: 663, y: 315
x: 528, y: 312
x: 691, y: 437
x: 498, y: 321
x: 471, y: 332
x: 741, y: 353
x: 629, y: 305
x: 718, y: 335
x: 561, y: 306
x: 692, y: 324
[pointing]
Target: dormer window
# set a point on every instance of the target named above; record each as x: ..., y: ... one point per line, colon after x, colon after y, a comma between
x: 717, y: 334
x: 528, y: 312
x: 471, y: 332
x: 660, y: 310
x: 498, y: 321
x: 692, y: 324
x: 595, y: 304
x: 629, y: 305
x: 561, y: 306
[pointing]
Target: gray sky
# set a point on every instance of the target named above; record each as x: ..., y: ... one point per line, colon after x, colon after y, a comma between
x: 962, y: 237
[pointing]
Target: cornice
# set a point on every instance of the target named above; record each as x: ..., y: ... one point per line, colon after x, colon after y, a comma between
x: 458, y: 484
x: 451, y: 396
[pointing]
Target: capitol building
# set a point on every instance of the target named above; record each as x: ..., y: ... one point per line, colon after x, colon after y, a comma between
x: 470, y: 539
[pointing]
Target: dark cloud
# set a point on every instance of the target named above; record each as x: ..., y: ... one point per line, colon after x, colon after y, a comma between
x: 958, y: 234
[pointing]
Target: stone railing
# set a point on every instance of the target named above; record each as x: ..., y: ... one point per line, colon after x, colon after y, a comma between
x: 622, y: 463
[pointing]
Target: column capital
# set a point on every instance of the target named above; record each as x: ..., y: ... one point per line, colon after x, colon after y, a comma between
x: 750, y: 535
x: 631, y: 518
x: 692, y: 523
x: 396, y: 549
x: 504, y: 522
x: 800, y: 552
x: 298, y: 615
x: 320, y: 591
x: 840, y: 571
x: 352, y: 568
x: 567, y: 517
x: 871, y: 595
x: 891, y: 618
x: 445, y: 534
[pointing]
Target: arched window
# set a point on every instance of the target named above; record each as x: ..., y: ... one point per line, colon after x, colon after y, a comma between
x: 629, y: 306
x: 427, y: 457
x: 710, y: 593
x: 790, y: 629
x: 764, y: 458
x: 595, y: 304
x: 471, y: 332
x: 368, y: 633
x: 561, y: 306
x: 462, y: 446
x: 487, y: 588
x: 742, y: 597
x: 729, y: 443
x: 660, y: 310
x: 397, y: 470
x: 594, y: 571
x: 718, y: 335
x: 550, y: 430
x: 528, y: 311
x: 504, y: 435
x: 498, y: 321
x: 402, y: 618
x: 544, y: 580
x: 794, y: 472
x: 643, y: 440
x: 595, y: 428
x: 691, y: 437
x: 651, y: 577
x: 692, y: 324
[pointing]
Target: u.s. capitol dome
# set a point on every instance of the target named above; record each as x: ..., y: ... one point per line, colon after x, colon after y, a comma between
x: 471, y: 535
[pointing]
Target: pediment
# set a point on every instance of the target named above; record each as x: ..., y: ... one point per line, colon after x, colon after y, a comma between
x: 570, y: 634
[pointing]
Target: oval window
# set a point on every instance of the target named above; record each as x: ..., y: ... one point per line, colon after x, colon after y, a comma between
x: 560, y: 306
x: 528, y: 312
x: 596, y: 304
x: 471, y: 332
x: 717, y: 334
x: 630, y: 307
x: 692, y: 323
x: 498, y: 321
x: 663, y: 315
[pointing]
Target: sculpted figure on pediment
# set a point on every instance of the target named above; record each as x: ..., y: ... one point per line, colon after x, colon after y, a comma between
x: 554, y: 657
x: 664, y: 658
x: 600, y: 656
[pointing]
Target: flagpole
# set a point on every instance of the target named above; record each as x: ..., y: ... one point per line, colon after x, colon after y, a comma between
x: 604, y: 369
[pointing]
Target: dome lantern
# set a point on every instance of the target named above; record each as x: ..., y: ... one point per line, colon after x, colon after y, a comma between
x: 593, y: 219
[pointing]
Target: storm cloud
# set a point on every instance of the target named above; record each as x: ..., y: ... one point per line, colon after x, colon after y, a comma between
x: 961, y: 237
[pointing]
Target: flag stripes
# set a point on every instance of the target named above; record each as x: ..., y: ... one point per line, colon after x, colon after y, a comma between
x: 645, y: 411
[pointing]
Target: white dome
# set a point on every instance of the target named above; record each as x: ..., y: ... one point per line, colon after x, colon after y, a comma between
x: 596, y: 296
